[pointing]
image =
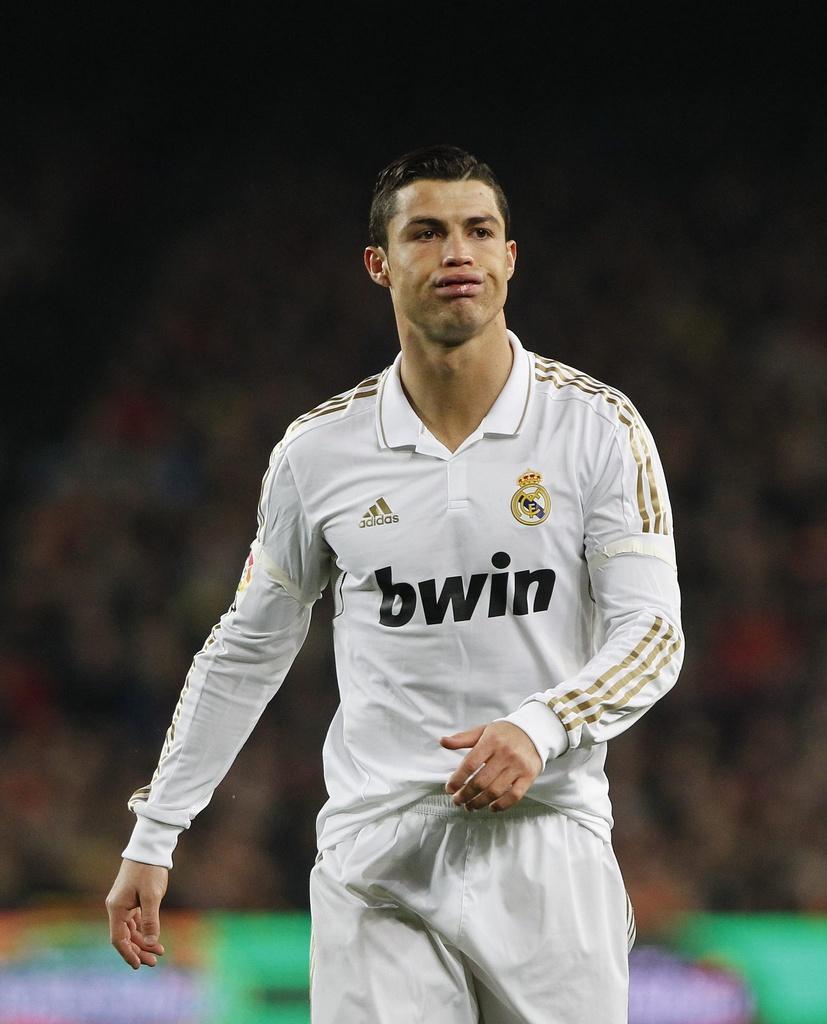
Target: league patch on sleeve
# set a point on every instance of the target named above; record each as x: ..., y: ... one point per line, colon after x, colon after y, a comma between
x: 247, y: 574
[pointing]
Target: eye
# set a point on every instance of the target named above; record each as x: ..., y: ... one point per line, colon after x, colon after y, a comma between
x: 427, y: 234
x: 483, y: 233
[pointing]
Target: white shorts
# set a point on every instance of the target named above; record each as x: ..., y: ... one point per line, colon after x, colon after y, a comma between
x: 434, y: 915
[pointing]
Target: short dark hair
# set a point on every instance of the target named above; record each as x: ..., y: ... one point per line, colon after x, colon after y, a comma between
x: 439, y: 163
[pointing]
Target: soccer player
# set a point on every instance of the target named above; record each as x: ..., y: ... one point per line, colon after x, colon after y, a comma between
x: 496, y: 530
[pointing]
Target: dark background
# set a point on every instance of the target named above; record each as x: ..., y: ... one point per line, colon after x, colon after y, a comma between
x: 183, y: 206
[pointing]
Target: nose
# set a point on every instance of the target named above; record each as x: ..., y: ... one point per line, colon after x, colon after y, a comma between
x: 457, y: 251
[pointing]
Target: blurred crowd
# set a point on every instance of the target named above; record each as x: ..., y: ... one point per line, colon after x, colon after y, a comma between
x: 699, y: 291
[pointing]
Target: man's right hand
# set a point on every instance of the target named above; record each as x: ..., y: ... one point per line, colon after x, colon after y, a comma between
x: 134, y: 904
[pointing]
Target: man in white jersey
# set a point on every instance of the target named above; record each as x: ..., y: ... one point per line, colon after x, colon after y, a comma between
x: 497, y: 533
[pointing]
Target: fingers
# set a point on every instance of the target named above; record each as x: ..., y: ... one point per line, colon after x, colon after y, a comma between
x: 497, y: 772
x: 501, y: 793
x: 133, y: 905
x: 513, y: 795
x: 474, y: 761
x: 149, y: 921
x: 147, y: 952
x: 463, y: 775
x: 475, y: 773
x: 119, y: 937
x: 467, y: 738
x: 137, y: 935
x: 128, y: 940
x: 475, y: 799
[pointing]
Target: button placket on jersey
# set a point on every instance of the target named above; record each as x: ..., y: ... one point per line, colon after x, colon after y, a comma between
x: 456, y: 471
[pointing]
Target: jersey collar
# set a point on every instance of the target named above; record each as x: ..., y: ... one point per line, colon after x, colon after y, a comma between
x: 398, y: 426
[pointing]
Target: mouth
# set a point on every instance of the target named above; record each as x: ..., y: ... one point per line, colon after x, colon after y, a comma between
x: 459, y: 285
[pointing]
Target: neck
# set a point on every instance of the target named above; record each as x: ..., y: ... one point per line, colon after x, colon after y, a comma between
x: 451, y: 389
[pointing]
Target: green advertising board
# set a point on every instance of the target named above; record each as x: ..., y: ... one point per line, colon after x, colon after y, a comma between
x: 56, y: 965
x: 782, y: 958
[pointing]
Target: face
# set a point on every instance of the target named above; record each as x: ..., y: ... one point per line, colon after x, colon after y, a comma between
x: 447, y: 263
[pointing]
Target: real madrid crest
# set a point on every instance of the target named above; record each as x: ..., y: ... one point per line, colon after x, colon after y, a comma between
x: 531, y: 503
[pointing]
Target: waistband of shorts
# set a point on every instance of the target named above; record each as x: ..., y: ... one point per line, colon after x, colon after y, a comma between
x: 442, y: 806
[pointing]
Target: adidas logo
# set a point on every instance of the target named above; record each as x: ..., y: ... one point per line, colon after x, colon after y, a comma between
x: 379, y: 514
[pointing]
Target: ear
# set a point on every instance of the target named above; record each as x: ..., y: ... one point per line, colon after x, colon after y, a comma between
x: 511, y: 258
x: 376, y: 264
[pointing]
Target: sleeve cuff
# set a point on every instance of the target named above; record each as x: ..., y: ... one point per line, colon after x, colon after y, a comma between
x: 152, y: 842
x: 543, y: 727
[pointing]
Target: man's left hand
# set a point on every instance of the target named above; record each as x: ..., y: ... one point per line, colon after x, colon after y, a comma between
x: 505, y: 761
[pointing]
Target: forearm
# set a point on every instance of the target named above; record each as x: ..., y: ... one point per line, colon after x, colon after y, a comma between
x: 639, y: 605
x: 239, y: 669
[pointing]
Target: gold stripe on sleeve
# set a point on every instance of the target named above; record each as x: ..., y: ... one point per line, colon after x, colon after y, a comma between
x: 605, y: 700
x: 335, y: 404
x: 142, y: 794
x: 344, y: 397
x: 571, y: 701
x: 638, y: 677
x: 635, y: 690
x: 331, y: 408
x: 562, y: 376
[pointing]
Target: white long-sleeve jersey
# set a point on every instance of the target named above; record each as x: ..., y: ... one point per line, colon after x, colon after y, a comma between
x: 529, y: 575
